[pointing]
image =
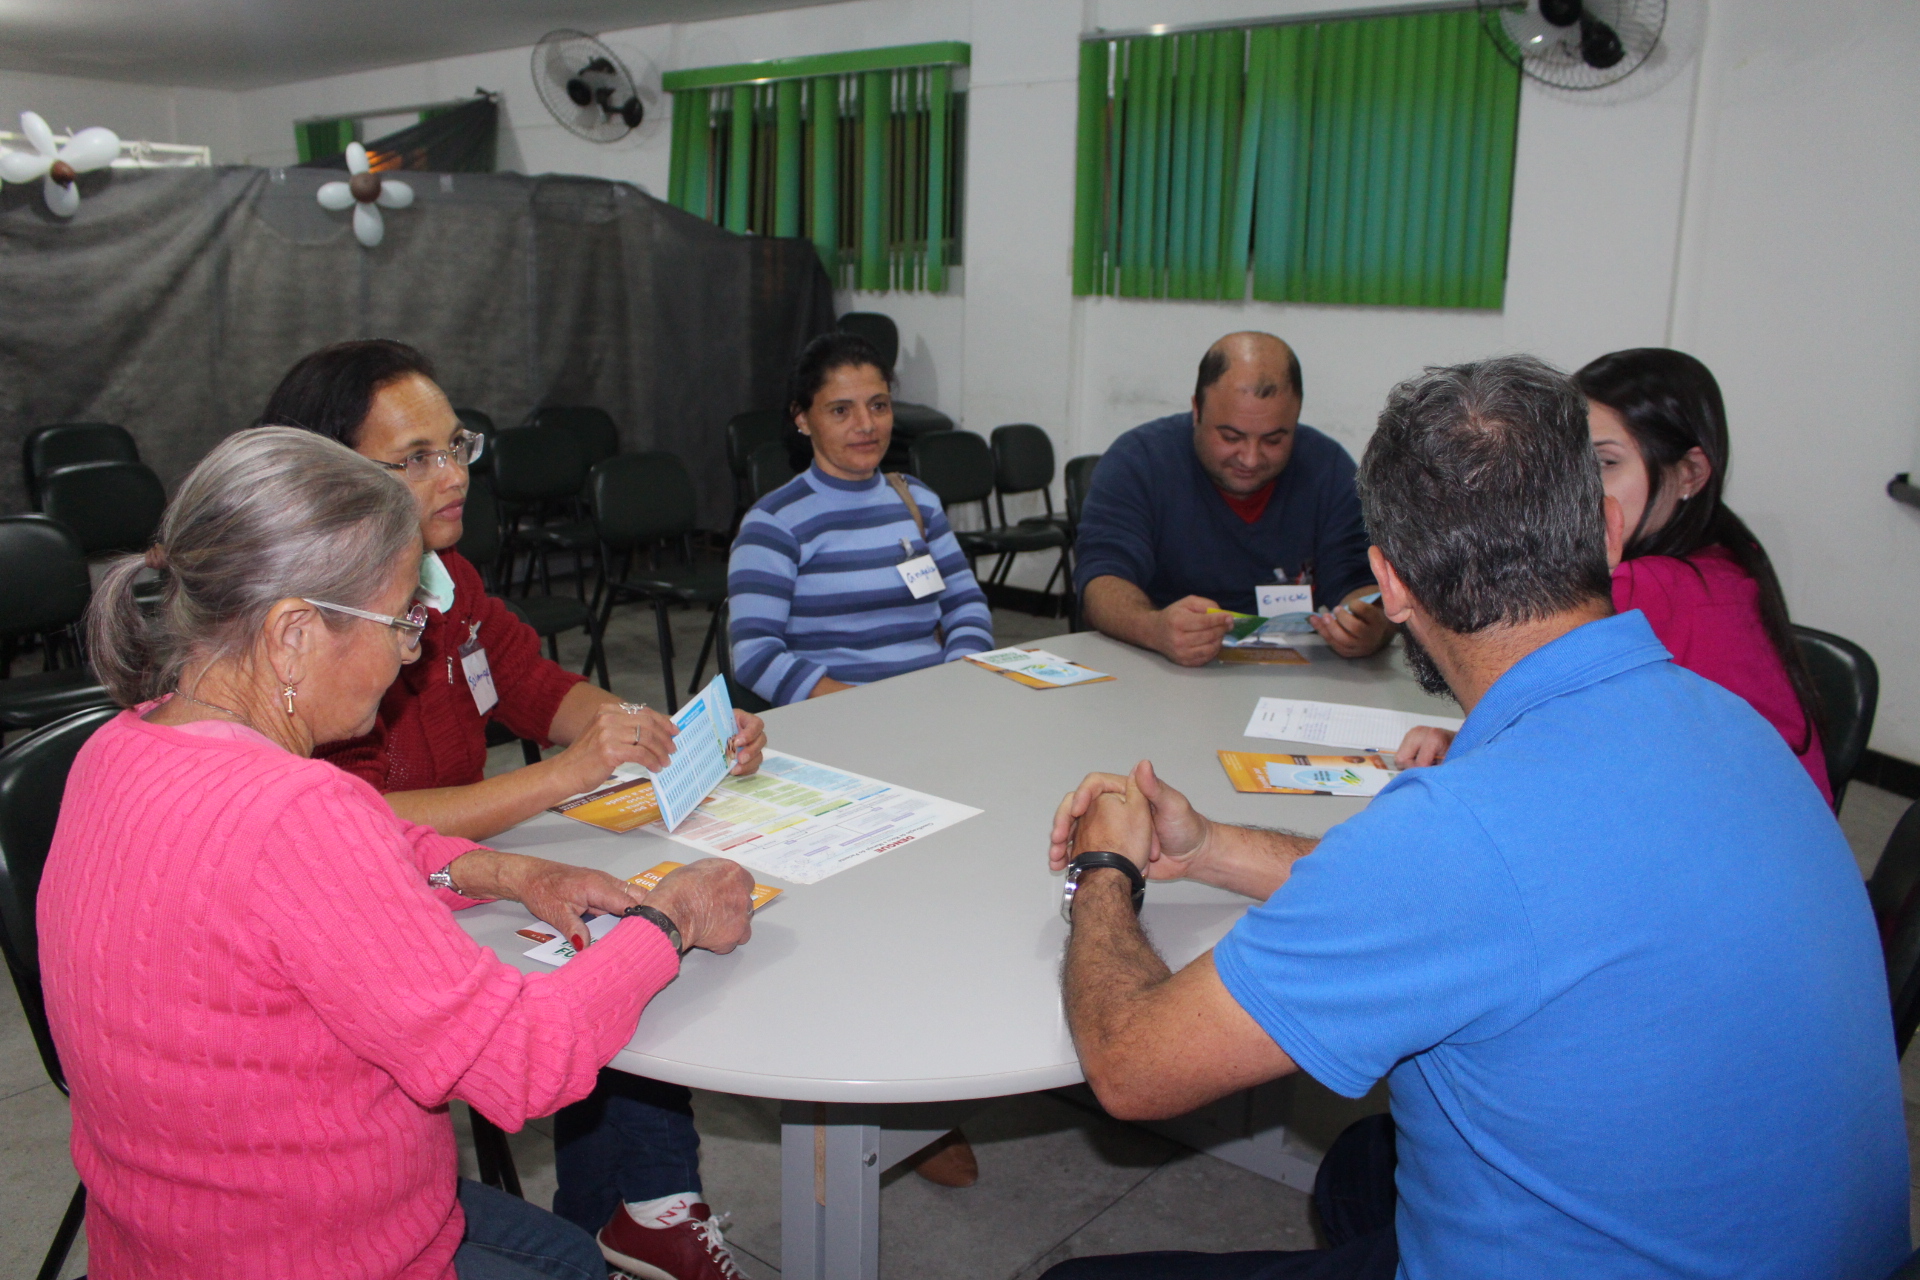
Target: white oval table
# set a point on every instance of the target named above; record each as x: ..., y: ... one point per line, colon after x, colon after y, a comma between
x: 929, y: 974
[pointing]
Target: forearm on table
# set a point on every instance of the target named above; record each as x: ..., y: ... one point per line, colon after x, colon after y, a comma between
x: 1122, y: 610
x: 484, y: 808
x: 1110, y: 968
x: 1251, y: 861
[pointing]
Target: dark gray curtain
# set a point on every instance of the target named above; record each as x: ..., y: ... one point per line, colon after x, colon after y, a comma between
x: 174, y: 300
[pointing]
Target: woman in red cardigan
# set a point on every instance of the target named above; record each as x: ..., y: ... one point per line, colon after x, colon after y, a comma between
x: 628, y: 1154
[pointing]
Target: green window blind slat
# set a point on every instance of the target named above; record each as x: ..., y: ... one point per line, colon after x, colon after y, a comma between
x: 873, y: 175
x: 1356, y: 160
x: 786, y: 184
x: 825, y: 105
x: 939, y: 95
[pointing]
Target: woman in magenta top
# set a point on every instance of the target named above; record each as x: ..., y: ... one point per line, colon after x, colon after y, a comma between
x: 1692, y: 566
x: 260, y: 997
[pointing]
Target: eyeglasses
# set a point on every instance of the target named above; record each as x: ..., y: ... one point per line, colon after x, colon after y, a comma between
x: 410, y: 627
x: 466, y: 447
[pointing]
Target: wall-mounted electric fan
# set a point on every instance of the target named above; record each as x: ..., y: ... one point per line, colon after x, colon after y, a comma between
x: 589, y: 89
x: 1576, y: 44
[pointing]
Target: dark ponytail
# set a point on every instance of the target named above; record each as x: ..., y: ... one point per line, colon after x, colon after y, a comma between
x: 1671, y: 404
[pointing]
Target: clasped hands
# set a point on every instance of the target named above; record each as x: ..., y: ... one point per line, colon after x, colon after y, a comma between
x: 710, y: 901
x: 1135, y: 815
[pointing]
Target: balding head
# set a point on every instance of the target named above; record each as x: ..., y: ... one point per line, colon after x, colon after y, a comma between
x: 1246, y: 406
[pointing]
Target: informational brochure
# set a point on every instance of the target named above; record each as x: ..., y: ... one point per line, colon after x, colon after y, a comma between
x: 1286, y: 631
x: 555, y: 950
x: 803, y: 821
x: 1338, y: 724
x: 1290, y: 775
x: 701, y: 753
x: 624, y: 803
x: 1036, y: 668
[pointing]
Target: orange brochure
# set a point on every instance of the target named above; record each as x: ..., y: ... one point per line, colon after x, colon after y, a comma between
x: 652, y: 876
x: 619, y: 807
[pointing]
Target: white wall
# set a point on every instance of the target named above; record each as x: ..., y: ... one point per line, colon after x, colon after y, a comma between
x: 150, y: 113
x: 1753, y: 198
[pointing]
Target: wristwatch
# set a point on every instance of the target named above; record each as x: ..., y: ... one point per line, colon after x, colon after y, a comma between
x: 443, y: 879
x: 1090, y: 861
x: 663, y: 921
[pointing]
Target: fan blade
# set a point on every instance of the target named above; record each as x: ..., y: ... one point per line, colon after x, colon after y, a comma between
x: 23, y: 166
x: 38, y: 134
x: 395, y: 194
x: 94, y: 148
x: 1561, y: 13
x: 367, y: 226
x: 1600, y: 45
x: 357, y: 158
x: 62, y: 201
x: 334, y: 195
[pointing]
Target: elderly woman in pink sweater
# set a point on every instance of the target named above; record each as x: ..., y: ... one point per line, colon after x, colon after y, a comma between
x: 260, y: 996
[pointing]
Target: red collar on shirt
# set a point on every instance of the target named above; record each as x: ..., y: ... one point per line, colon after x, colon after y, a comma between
x: 1250, y: 507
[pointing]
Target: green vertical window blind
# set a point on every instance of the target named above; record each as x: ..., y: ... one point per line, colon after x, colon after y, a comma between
x: 319, y: 139
x: 860, y: 153
x: 1361, y: 160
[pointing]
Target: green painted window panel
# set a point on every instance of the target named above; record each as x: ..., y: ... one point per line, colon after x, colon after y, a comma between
x: 865, y: 163
x: 319, y: 139
x: 1356, y: 161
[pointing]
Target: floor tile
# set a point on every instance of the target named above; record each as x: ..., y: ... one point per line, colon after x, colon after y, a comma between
x: 36, y: 1179
x: 20, y: 1065
x: 1868, y: 815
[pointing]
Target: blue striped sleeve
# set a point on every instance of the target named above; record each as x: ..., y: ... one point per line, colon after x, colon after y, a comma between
x: 761, y: 571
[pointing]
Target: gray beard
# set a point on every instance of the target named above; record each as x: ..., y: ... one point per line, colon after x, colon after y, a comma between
x: 1421, y: 663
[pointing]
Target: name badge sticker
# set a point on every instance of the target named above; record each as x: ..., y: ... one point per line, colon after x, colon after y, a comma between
x: 1275, y: 600
x: 921, y: 574
x: 473, y: 661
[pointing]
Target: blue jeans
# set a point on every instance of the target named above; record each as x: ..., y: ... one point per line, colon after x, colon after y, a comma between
x: 1354, y: 1196
x: 509, y: 1239
x: 630, y: 1139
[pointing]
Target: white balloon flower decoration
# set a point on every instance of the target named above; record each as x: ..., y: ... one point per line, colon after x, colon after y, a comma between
x: 364, y: 192
x: 58, y: 165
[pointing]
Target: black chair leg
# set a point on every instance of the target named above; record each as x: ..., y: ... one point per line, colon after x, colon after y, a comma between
x: 63, y: 1238
x: 706, y: 647
x: 666, y: 654
x: 530, y: 750
x: 596, y: 651
x: 492, y: 1154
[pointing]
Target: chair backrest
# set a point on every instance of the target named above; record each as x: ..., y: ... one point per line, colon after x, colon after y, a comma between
x: 768, y: 469
x: 750, y: 430
x: 956, y: 465
x: 33, y: 777
x: 480, y: 424
x: 1849, y: 687
x: 878, y: 329
x: 65, y: 443
x: 639, y: 498
x: 592, y: 428
x: 43, y: 576
x: 1894, y: 890
x: 1022, y: 458
x: 537, y: 464
x: 110, y: 506
x: 480, y: 526
x: 1078, y: 480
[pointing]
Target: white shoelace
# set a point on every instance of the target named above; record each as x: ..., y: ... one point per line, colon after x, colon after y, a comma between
x: 711, y: 1236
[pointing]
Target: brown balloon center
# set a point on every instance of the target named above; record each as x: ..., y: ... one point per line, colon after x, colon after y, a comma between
x: 365, y: 187
x: 62, y: 173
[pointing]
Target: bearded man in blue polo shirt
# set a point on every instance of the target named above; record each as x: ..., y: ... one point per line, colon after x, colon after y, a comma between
x: 1190, y: 513
x: 1613, y: 956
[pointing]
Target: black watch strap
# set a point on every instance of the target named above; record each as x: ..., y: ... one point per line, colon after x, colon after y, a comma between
x: 1094, y: 859
x: 663, y: 922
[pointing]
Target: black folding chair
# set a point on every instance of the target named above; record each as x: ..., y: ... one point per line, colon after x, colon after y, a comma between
x: 538, y: 478
x: 1023, y: 463
x: 958, y: 467
x: 65, y: 443
x: 747, y: 433
x: 549, y: 616
x: 44, y: 590
x: 1077, y: 478
x: 1848, y: 682
x: 33, y: 776
x: 593, y: 429
x: 768, y: 468
x: 110, y: 506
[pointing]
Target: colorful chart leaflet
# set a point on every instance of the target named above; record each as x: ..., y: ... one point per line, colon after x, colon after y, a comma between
x: 803, y: 821
x: 700, y: 758
x: 1036, y: 668
x: 1290, y: 775
x: 1336, y: 724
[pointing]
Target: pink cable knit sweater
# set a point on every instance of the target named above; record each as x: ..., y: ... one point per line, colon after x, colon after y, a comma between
x: 263, y: 1011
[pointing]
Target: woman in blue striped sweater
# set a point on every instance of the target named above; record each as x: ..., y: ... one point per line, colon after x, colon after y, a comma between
x: 830, y: 584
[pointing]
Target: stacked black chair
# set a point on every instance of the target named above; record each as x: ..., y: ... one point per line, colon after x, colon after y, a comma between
x: 958, y: 467
x: 33, y: 776
x: 547, y: 615
x: 1078, y: 480
x: 481, y: 424
x: 44, y: 590
x: 110, y: 506
x: 1894, y: 890
x: 1848, y: 682
x: 65, y: 443
x: 538, y: 474
x: 768, y: 467
x: 643, y: 504
x: 910, y: 420
x: 747, y: 433
x: 592, y: 429
x: 1023, y: 463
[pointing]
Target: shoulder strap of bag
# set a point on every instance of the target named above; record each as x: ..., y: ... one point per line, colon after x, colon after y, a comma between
x: 898, y: 483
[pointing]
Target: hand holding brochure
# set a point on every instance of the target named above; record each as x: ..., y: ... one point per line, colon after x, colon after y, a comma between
x: 1337, y: 724
x: 701, y: 754
x: 556, y: 950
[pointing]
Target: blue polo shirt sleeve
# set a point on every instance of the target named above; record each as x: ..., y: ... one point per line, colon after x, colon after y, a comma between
x: 1116, y: 524
x: 1402, y: 930
x: 1343, y: 538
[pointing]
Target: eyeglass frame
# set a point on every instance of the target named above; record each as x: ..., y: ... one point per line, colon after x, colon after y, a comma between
x: 411, y: 627
x: 439, y: 459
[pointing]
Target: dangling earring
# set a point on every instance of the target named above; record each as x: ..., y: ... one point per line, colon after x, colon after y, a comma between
x: 289, y: 692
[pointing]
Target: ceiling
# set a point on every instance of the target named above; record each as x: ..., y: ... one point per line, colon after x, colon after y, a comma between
x: 245, y: 44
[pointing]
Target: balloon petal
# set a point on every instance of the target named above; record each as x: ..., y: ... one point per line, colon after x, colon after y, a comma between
x: 334, y: 195
x: 356, y: 158
x: 367, y: 226
x: 23, y: 166
x: 63, y: 201
x: 94, y: 148
x: 395, y: 194
x: 37, y: 133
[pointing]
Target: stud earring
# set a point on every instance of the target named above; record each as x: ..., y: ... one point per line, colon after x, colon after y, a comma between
x: 289, y: 692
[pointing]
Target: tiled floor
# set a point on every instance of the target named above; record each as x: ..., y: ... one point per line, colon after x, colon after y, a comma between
x: 1057, y: 1181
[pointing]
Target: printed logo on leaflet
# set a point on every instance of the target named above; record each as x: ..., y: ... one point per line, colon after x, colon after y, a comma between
x: 895, y: 844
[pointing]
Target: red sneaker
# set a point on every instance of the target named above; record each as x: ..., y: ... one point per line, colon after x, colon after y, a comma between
x: 674, y: 1238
